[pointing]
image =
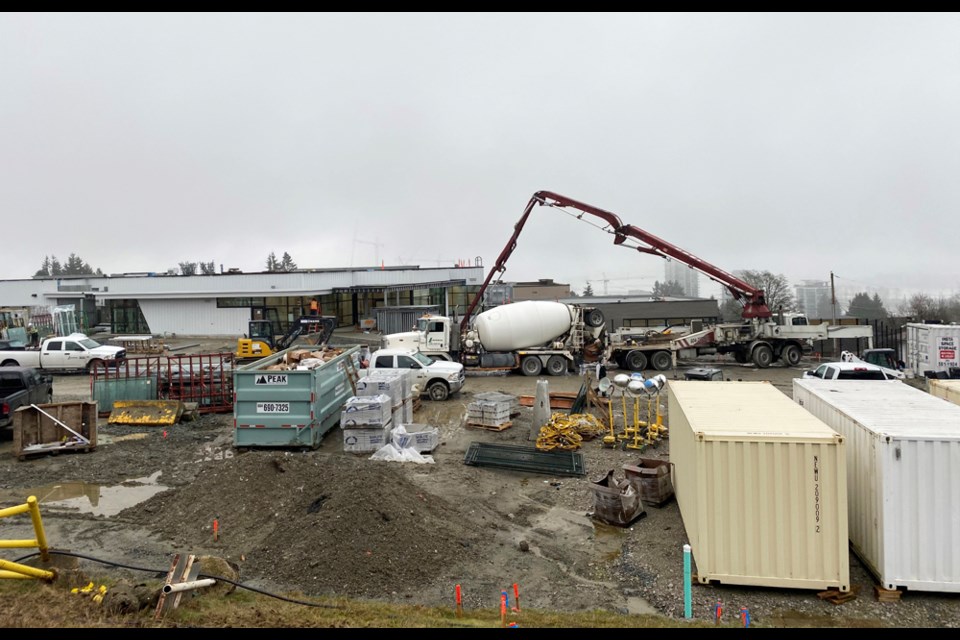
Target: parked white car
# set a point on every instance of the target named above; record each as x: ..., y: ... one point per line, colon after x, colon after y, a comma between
x: 850, y: 371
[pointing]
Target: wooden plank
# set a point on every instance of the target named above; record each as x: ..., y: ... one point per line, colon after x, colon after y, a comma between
x: 558, y: 400
x: 162, y: 603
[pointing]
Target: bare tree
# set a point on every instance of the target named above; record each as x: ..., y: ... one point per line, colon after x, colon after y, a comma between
x: 924, y: 307
x: 776, y: 288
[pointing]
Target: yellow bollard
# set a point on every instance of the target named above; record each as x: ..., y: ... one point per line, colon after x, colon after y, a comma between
x: 15, y: 570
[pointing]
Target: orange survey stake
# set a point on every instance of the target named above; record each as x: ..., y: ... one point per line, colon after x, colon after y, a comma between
x: 216, y: 530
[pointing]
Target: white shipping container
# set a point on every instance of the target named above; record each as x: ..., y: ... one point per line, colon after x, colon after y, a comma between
x: 946, y: 389
x: 761, y: 486
x: 932, y: 347
x: 903, y: 477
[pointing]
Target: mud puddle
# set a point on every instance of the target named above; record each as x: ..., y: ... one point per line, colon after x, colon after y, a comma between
x: 85, y: 497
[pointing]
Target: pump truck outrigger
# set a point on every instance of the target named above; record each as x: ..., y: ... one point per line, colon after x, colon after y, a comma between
x: 759, y: 338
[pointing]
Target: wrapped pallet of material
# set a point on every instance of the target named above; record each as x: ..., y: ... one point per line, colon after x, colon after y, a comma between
x: 761, y: 485
x: 366, y: 411
x: 421, y: 437
x: 366, y: 440
x: 903, y: 477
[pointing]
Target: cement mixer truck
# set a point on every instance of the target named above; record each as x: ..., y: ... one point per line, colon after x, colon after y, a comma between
x: 530, y: 337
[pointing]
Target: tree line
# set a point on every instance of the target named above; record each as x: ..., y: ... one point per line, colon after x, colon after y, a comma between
x: 779, y: 295
x: 75, y: 266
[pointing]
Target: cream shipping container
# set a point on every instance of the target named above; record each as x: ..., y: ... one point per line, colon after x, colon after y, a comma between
x: 932, y: 347
x: 946, y: 389
x: 903, y: 477
x: 761, y: 486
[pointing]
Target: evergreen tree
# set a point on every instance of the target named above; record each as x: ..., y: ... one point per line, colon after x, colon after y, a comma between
x: 287, y: 263
x: 75, y: 266
x: 863, y: 306
x: 664, y: 289
x: 272, y: 263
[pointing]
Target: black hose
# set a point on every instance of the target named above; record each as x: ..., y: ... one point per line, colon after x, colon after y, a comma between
x: 163, y: 572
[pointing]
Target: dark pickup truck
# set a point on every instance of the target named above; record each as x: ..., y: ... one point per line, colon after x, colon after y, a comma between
x: 22, y: 386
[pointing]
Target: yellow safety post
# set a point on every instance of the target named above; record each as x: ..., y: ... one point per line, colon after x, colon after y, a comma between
x: 10, y: 569
x: 635, y: 388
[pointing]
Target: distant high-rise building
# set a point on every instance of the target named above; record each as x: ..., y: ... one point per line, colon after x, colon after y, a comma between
x: 687, y: 277
x: 813, y: 298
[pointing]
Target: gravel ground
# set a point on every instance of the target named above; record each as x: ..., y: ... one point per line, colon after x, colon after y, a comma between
x: 330, y: 522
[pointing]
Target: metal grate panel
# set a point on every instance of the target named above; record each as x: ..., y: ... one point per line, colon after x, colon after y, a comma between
x: 518, y: 458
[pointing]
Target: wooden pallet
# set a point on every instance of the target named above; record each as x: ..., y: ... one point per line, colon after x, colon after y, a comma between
x: 835, y: 596
x: 886, y: 595
x: 499, y: 427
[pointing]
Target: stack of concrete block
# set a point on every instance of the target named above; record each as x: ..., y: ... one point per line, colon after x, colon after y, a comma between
x: 488, y: 413
x: 497, y: 396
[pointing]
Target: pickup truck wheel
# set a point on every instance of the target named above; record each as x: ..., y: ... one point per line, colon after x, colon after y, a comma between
x: 635, y: 360
x: 791, y: 355
x: 762, y: 355
x: 531, y: 366
x: 9, y: 363
x: 556, y: 366
x: 93, y: 364
x: 661, y: 360
x: 438, y: 391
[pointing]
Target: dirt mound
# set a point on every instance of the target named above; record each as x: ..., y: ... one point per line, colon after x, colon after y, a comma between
x: 319, y: 523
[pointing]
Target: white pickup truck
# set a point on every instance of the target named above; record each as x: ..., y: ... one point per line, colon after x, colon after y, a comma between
x: 436, y: 378
x: 75, y: 352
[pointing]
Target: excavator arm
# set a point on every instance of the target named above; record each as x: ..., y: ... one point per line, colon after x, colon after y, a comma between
x: 753, y: 299
x: 319, y: 328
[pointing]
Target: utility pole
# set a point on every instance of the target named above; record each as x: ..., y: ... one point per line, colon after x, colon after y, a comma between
x: 833, y: 301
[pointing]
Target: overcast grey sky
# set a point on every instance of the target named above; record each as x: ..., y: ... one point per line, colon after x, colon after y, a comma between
x: 795, y: 143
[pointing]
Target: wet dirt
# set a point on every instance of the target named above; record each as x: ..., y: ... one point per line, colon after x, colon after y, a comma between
x: 328, y: 522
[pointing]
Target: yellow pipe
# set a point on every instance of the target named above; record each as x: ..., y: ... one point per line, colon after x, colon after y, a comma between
x: 18, y: 544
x: 15, y: 511
x: 31, y: 572
x: 38, y: 528
x: 13, y: 575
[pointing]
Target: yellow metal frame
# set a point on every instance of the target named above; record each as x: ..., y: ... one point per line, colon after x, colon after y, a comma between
x: 16, y: 570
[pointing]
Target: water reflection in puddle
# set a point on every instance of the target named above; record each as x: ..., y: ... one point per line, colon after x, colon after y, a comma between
x: 96, y: 499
